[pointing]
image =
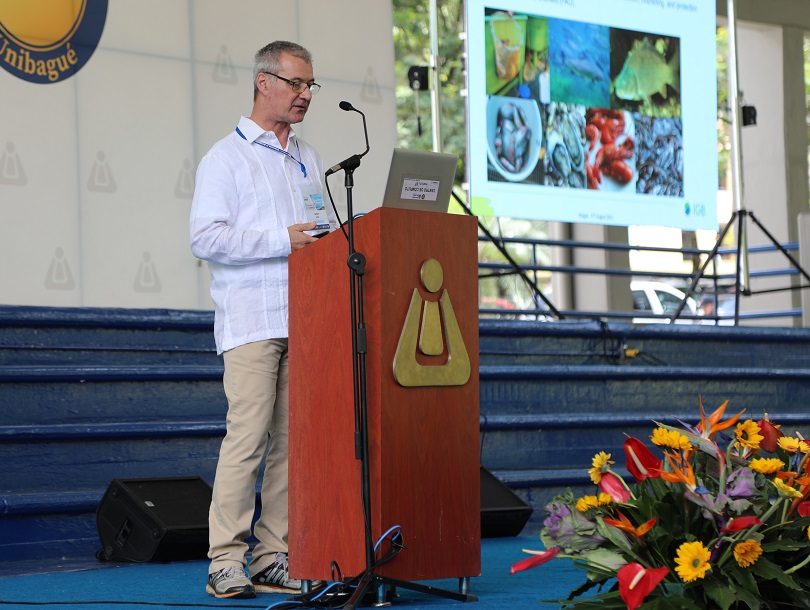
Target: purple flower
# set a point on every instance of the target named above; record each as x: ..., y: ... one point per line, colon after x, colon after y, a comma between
x: 556, y: 512
x: 568, y: 529
x: 741, y: 484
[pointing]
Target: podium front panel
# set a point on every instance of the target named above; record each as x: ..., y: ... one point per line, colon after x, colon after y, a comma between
x: 423, y: 417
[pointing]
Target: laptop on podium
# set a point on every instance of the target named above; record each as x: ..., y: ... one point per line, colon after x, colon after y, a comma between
x: 420, y: 180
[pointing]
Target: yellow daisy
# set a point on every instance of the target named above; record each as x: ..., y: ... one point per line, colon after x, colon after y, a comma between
x: 587, y: 502
x: 692, y: 561
x: 792, y: 445
x: 748, y: 434
x: 786, y: 490
x: 670, y: 438
x: 766, y: 465
x: 747, y: 552
x: 601, y: 464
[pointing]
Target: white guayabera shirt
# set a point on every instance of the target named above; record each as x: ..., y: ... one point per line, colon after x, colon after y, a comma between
x: 248, y: 191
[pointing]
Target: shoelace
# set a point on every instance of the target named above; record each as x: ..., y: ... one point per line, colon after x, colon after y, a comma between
x: 229, y: 572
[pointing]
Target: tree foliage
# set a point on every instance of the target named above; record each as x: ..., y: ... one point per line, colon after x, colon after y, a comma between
x: 412, y: 48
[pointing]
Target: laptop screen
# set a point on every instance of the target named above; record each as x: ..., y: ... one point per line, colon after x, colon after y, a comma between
x: 420, y: 180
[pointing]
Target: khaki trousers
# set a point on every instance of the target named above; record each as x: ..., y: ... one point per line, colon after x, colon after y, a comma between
x: 256, y: 384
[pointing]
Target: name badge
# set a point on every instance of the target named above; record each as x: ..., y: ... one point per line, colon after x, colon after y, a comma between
x: 316, y: 211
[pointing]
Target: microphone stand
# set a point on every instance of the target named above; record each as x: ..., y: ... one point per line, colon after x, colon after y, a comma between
x: 357, y: 266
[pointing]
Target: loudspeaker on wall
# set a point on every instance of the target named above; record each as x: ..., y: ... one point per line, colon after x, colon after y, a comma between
x: 158, y: 519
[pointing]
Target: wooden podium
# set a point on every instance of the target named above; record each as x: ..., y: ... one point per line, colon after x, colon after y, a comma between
x: 423, y: 439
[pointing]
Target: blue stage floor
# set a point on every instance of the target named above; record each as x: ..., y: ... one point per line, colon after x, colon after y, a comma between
x: 182, y: 585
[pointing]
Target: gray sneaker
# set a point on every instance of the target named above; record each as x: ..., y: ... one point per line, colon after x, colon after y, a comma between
x: 231, y: 582
x: 275, y: 578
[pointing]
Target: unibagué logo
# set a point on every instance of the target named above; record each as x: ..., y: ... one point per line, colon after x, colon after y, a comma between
x: 48, y: 41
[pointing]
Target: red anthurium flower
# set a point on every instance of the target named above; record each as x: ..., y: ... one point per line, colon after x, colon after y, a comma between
x: 613, y: 485
x: 641, y: 463
x: 538, y: 558
x: 804, y: 509
x: 625, y: 525
x: 636, y: 582
x: 740, y: 523
x: 770, y: 433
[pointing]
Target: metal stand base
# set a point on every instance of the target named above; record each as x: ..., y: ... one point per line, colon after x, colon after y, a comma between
x: 385, y: 586
x: 740, y: 282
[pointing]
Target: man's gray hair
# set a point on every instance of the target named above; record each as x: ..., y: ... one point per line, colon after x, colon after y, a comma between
x: 267, y: 58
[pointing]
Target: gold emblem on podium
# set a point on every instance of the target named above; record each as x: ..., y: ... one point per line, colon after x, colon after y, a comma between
x: 422, y: 333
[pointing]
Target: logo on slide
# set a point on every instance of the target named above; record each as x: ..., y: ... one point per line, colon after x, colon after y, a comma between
x: 48, y: 41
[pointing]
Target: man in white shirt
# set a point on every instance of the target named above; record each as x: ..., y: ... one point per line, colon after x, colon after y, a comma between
x: 258, y: 197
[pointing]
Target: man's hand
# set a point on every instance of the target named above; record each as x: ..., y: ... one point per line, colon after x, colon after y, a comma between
x: 299, y: 239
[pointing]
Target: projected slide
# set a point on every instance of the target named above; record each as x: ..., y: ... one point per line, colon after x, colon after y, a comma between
x: 594, y: 111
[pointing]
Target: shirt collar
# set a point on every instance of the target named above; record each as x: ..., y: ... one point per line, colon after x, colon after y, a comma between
x: 253, y: 132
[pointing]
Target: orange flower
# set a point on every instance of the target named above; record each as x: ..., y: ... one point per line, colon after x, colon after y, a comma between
x: 683, y: 474
x: 747, y: 552
x: 804, y: 483
x: 625, y: 525
x: 708, y: 427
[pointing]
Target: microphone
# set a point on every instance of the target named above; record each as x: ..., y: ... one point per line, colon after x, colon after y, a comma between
x: 352, y: 162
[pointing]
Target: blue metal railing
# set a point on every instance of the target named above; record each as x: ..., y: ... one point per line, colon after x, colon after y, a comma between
x: 529, y: 272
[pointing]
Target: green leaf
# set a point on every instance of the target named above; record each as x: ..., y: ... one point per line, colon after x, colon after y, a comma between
x: 770, y: 571
x: 722, y: 595
x: 602, y: 601
x: 596, y: 574
x: 673, y: 589
x: 587, y: 586
x: 677, y: 602
x: 604, y: 560
x: 613, y: 534
x: 745, y: 578
x: 783, y: 545
x: 750, y: 600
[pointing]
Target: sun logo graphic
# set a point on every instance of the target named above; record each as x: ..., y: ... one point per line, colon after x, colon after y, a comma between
x: 47, y: 41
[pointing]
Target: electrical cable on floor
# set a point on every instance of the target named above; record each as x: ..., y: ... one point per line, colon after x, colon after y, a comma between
x: 338, y: 594
x: 121, y: 603
x: 333, y: 595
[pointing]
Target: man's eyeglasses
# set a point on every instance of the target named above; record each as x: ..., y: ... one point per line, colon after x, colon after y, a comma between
x: 297, y: 85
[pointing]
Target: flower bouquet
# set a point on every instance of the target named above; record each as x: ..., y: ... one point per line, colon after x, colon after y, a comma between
x: 717, y: 517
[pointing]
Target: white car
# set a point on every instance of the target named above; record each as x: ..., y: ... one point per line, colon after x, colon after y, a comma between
x: 662, y: 300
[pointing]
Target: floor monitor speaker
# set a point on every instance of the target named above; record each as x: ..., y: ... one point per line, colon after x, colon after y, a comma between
x: 503, y: 513
x: 159, y: 519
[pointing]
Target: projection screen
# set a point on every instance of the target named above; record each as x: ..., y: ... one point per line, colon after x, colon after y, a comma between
x: 593, y: 111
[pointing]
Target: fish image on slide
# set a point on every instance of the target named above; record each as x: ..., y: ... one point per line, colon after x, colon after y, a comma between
x: 579, y: 62
x: 646, y: 73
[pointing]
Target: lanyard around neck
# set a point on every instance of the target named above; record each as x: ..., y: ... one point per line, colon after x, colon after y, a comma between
x: 279, y: 150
